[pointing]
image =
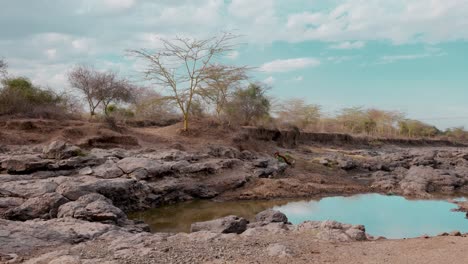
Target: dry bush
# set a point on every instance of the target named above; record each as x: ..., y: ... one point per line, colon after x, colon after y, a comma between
x: 19, y: 97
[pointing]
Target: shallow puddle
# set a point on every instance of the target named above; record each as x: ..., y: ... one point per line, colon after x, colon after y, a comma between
x: 389, y: 216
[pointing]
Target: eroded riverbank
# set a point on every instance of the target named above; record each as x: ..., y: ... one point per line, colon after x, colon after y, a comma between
x: 62, y: 195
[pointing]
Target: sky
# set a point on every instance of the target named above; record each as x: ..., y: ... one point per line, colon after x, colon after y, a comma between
x: 405, y: 55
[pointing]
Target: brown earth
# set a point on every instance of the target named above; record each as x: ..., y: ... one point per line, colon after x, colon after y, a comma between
x: 325, y: 165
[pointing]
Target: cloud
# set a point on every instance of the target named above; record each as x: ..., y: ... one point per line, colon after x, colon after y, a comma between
x: 339, y: 59
x: 289, y: 65
x: 429, y: 52
x: 269, y: 81
x: 347, y: 45
x: 233, y: 55
x: 87, y: 31
x: 399, y: 21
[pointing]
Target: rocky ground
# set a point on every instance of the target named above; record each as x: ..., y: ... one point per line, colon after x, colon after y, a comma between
x: 62, y: 203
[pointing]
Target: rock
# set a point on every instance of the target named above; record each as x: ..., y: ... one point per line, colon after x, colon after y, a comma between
x: 108, y: 170
x: 92, y: 207
x: 333, y: 231
x: 26, y: 237
x: 346, y: 164
x: 146, y: 167
x: 247, y: 155
x: 228, y: 224
x: 24, y: 164
x: 44, y: 207
x: 28, y: 188
x: 60, y: 150
x: 261, y: 163
x: 278, y: 250
x: 86, y: 171
x: 455, y: 233
x: 223, y: 152
x: 421, y: 180
x: 271, y: 216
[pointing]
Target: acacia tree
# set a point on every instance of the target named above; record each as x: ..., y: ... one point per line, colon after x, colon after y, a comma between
x: 298, y: 112
x: 220, y: 82
x: 99, y: 87
x: 114, y: 90
x: 249, y: 105
x: 181, y: 66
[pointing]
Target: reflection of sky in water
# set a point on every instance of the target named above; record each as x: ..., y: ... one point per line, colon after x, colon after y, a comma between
x: 389, y: 216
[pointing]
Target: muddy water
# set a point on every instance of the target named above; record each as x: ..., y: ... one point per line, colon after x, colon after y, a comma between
x: 179, y: 217
x: 389, y: 216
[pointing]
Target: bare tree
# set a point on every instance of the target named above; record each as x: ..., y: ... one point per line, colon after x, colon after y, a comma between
x: 113, y: 90
x: 181, y: 65
x: 99, y: 87
x: 220, y: 82
x: 85, y: 79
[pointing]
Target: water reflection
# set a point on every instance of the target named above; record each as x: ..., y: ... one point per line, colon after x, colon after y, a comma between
x: 179, y: 217
x: 389, y: 216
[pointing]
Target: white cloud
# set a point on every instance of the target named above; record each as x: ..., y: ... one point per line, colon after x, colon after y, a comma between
x: 119, y: 4
x: 400, y: 21
x: 429, y: 52
x: 233, y: 55
x: 269, y: 81
x: 347, y: 45
x: 339, y: 59
x: 51, y: 54
x: 289, y: 65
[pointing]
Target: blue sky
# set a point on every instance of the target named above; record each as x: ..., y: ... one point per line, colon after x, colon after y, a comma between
x: 406, y: 55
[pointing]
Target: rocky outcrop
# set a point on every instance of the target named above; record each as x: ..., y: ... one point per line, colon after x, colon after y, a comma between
x: 94, y: 208
x: 44, y: 207
x: 271, y: 216
x: 226, y: 225
x: 333, y: 231
x: 23, y: 238
x: 60, y: 150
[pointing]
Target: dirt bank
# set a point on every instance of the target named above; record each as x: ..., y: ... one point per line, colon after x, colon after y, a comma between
x: 81, y: 176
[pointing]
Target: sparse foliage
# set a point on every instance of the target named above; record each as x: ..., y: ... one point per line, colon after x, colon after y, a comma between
x: 249, y: 105
x: 181, y: 66
x: 298, y: 113
x: 99, y: 87
x: 220, y: 82
x: 3, y: 68
x: 20, y: 96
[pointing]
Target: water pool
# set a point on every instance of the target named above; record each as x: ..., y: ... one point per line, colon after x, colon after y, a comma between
x: 389, y: 216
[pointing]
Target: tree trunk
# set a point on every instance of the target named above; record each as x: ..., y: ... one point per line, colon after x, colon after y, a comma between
x: 185, y: 122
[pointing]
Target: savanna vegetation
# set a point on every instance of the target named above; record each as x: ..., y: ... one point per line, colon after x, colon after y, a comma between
x: 186, y: 79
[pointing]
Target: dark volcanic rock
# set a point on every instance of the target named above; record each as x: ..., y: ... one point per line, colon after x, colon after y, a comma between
x: 92, y: 207
x: 271, y: 216
x: 228, y: 224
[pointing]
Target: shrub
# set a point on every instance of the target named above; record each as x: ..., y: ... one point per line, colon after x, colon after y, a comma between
x: 19, y: 96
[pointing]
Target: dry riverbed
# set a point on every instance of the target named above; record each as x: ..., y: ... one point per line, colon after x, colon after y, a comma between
x: 61, y: 203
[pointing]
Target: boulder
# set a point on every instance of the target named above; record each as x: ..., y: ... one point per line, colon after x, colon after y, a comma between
x: 28, y: 188
x: 108, y: 170
x: 333, y: 231
x: 92, y: 207
x: 271, y: 216
x: 60, y: 150
x: 44, y: 207
x: 24, y: 163
x: 144, y: 167
x: 22, y: 238
x: 228, y: 224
